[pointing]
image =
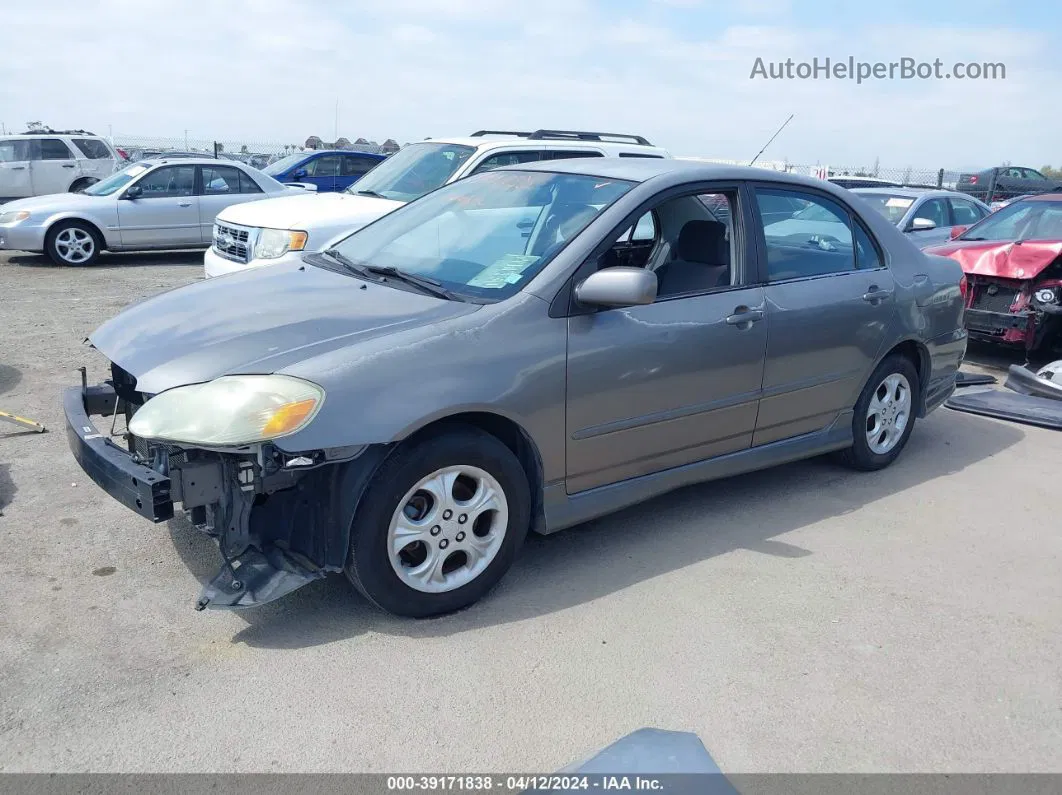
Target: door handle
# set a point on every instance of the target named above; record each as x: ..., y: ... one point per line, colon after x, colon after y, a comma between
x: 18, y: 168
x: 68, y: 165
x: 743, y: 316
x: 184, y: 204
x: 873, y: 295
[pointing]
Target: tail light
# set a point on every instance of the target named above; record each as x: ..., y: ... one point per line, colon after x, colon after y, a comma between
x: 973, y: 180
x: 964, y: 288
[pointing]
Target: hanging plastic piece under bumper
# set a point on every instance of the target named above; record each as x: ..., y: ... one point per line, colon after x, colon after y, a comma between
x: 254, y: 577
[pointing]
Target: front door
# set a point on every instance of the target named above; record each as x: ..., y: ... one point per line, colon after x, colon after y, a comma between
x: 16, y: 180
x: 935, y: 210
x: 676, y: 381
x: 830, y: 303
x: 54, y: 167
x: 322, y: 171
x: 165, y: 214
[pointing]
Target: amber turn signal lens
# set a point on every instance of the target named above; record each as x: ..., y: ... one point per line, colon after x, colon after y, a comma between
x: 288, y: 417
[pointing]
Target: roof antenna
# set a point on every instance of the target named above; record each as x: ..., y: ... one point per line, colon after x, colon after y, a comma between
x: 791, y: 115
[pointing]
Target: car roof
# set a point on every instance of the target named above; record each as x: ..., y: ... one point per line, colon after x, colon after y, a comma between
x: 1042, y: 197
x: 24, y: 136
x: 187, y: 161
x: 509, y: 142
x: 311, y: 152
x: 642, y: 169
x: 912, y: 193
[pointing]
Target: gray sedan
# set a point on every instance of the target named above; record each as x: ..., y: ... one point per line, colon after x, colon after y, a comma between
x: 152, y: 204
x: 525, y: 349
x: 926, y: 215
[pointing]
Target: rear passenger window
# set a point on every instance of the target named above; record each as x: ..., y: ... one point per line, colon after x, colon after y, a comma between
x: 867, y: 255
x: 55, y: 149
x: 964, y: 212
x: 815, y: 240
x: 92, y: 148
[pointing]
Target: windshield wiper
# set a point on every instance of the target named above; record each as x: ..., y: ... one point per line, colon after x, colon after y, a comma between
x: 372, y: 193
x: 423, y: 283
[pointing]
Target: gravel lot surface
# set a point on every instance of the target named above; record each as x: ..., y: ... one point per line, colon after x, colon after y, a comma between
x: 801, y: 619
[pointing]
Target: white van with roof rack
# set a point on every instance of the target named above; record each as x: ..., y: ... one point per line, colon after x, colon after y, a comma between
x: 283, y: 229
x: 43, y: 162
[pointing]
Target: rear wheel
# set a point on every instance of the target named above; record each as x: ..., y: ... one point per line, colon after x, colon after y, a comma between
x: 73, y: 243
x: 884, y: 415
x: 440, y: 524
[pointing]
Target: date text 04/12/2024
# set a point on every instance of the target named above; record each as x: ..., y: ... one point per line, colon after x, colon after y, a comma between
x: 525, y: 783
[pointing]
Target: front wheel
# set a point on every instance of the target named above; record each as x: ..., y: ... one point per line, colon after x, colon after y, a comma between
x: 884, y: 415
x: 440, y: 524
x: 72, y: 243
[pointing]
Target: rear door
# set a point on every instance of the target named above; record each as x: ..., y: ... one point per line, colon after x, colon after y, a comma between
x: 16, y: 180
x: 352, y: 168
x: 322, y: 172
x: 54, y: 166
x: 220, y: 187
x: 964, y: 212
x: 97, y: 159
x: 830, y: 303
x: 165, y: 214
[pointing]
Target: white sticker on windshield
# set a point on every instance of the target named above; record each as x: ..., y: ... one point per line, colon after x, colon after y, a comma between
x: 896, y: 201
x: 508, y: 270
x: 136, y: 171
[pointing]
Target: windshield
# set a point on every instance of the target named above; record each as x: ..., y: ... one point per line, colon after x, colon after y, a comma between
x: 1022, y: 220
x: 486, y: 236
x: 116, y: 181
x: 893, y: 207
x: 413, y: 171
x: 282, y: 165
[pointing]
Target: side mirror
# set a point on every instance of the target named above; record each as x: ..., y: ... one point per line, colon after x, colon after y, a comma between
x: 133, y: 192
x: 619, y: 286
x: 299, y: 173
x: 921, y: 224
x: 956, y: 231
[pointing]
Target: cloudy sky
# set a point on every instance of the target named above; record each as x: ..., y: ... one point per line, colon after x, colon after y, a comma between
x: 676, y: 71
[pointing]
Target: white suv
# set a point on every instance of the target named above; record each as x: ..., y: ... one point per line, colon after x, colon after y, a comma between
x: 39, y: 163
x: 283, y: 229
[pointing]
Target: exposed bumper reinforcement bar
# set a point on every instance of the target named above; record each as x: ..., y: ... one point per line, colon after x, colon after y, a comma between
x: 138, y: 487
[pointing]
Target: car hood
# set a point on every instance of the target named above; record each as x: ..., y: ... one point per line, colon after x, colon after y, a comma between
x: 258, y: 321
x: 309, y: 211
x: 54, y: 202
x: 1006, y: 260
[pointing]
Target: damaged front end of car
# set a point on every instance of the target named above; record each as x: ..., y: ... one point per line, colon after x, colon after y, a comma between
x: 280, y: 519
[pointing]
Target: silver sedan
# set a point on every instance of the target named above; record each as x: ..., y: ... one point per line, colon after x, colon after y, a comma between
x: 152, y: 204
x: 925, y: 216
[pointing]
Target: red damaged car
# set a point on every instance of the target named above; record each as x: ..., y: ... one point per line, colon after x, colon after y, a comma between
x: 1013, y: 265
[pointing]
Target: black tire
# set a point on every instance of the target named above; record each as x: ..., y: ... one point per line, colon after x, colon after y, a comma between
x: 53, y: 245
x: 369, y: 566
x: 860, y: 455
x: 81, y: 184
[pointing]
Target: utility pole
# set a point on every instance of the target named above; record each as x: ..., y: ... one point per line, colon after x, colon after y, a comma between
x: 186, y: 140
x: 335, y: 137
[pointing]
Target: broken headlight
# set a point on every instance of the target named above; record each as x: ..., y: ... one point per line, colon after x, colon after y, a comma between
x: 229, y: 411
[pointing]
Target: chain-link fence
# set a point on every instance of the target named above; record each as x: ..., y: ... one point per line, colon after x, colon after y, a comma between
x: 992, y: 185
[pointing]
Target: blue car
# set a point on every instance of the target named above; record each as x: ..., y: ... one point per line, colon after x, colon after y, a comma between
x: 328, y: 169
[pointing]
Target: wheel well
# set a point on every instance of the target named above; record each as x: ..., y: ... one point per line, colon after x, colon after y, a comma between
x: 919, y: 357
x: 512, y: 436
x: 101, y: 241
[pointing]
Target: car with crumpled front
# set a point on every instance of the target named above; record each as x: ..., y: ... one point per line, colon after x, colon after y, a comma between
x: 523, y: 350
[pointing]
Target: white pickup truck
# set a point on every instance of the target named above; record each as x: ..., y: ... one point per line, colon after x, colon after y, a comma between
x: 283, y: 229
